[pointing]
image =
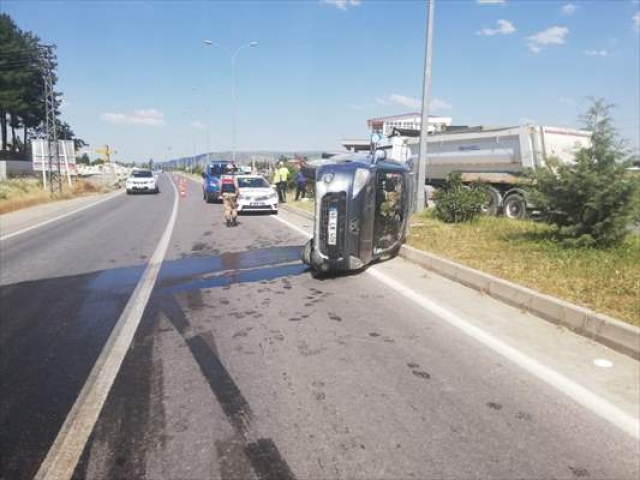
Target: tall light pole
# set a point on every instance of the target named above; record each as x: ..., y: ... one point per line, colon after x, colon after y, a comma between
x: 426, y: 100
x: 232, y: 56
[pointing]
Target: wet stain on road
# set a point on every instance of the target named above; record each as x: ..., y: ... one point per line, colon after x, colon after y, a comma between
x: 67, y: 325
x: 421, y: 374
x: 524, y: 416
x: 199, y: 246
x: 239, y: 276
x: 579, y: 471
x: 175, y: 272
x: 494, y: 406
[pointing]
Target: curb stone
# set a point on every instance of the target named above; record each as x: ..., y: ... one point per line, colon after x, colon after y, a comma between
x: 613, y: 333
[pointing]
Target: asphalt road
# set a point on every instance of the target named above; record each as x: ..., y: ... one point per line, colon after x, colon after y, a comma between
x: 245, y: 366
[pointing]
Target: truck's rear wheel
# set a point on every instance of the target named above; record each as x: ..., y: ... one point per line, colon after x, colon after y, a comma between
x: 494, y: 199
x: 515, y: 206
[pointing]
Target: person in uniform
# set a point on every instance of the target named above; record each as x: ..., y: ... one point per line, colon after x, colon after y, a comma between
x: 229, y: 189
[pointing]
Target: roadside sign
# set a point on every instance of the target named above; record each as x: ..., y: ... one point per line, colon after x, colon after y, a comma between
x: 66, y: 155
x: 376, y: 137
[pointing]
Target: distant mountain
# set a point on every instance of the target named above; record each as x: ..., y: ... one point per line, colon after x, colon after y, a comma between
x: 243, y: 158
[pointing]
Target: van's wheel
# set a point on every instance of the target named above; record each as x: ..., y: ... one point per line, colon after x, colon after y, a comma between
x: 515, y: 207
x: 306, y: 253
x: 429, y: 193
x: 494, y: 199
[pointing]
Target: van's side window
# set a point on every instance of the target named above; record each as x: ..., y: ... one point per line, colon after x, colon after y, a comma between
x: 390, y: 199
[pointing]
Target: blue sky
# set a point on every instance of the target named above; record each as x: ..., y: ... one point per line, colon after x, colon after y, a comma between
x: 137, y: 76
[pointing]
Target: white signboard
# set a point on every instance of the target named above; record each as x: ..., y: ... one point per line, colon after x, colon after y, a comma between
x: 66, y: 154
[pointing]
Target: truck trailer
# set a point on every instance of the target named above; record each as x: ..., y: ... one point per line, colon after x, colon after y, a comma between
x: 497, y: 157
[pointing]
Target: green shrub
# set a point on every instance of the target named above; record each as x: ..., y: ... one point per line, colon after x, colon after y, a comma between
x: 459, y: 203
x: 593, y: 201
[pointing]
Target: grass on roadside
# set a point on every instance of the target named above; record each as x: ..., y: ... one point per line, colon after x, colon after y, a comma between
x: 524, y: 252
x: 306, y: 206
x: 18, y: 193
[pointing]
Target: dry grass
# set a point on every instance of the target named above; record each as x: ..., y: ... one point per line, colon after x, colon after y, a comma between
x: 306, y: 206
x: 524, y: 252
x: 19, y: 193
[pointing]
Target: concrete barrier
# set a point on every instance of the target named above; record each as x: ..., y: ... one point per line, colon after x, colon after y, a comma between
x: 620, y: 336
x: 10, y: 168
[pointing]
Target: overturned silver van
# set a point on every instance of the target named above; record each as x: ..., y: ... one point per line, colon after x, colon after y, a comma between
x: 362, y: 206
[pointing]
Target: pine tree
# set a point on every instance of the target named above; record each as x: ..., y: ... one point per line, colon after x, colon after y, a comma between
x: 593, y: 200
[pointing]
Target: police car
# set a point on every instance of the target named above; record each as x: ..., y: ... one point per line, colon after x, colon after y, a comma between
x: 255, y: 194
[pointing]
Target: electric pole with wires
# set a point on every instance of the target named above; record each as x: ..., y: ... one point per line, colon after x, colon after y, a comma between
x: 51, y: 127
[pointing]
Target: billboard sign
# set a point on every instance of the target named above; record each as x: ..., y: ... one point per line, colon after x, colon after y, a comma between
x: 66, y: 155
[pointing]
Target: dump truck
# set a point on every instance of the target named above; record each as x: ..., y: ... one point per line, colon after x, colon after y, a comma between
x: 497, y: 157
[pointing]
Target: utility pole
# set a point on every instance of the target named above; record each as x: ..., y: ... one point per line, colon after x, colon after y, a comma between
x: 234, y: 108
x: 426, y: 100
x: 51, y: 127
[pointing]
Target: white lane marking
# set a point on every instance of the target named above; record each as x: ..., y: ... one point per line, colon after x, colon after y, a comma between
x: 603, y: 363
x: 291, y: 225
x: 59, y: 217
x: 65, y: 452
x: 601, y: 407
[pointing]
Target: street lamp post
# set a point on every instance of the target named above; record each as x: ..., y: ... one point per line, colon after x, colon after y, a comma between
x: 232, y: 56
x: 426, y: 101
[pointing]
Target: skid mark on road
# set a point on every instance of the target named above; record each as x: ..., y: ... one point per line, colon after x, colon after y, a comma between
x: 262, y: 453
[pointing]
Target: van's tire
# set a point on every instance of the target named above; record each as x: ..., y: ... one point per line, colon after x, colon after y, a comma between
x: 515, y: 206
x: 306, y: 253
x: 494, y: 201
x: 429, y: 192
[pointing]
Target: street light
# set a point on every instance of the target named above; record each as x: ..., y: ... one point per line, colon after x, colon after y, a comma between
x: 232, y: 56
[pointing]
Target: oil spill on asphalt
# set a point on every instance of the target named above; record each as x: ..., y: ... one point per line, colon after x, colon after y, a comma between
x: 421, y: 374
x: 579, y: 471
x: 242, y: 276
x: 199, y: 246
x: 176, y: 271
x: 48, y: 349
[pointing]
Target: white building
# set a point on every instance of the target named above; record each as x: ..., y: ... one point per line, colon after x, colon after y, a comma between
x: 397, y: 129
x: 407, y: 121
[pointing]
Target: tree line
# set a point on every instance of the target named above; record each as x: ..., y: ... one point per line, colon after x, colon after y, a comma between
x: 22, y: 95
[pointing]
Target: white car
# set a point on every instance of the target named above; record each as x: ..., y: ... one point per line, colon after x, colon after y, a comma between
x: 255, y: 194
x: 141, y: 180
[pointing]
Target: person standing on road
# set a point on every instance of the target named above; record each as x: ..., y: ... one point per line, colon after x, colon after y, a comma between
x: 301, y: 185
x: 276, y: 182
x: 280, y: 179
x: 229, y: 189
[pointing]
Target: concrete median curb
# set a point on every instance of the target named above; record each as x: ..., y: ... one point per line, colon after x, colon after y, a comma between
x: 609, y: 331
